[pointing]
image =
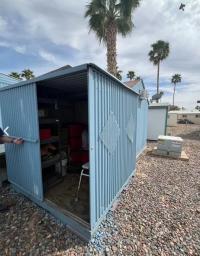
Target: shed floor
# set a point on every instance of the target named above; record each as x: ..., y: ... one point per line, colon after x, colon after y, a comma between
x: 64, y: 194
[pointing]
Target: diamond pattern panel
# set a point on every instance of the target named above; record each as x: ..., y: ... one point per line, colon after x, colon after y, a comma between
x: 110, y: 133
x: 130, y: 129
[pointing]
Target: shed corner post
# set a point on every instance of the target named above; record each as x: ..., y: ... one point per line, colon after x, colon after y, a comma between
x: 91, y: 117
x: 166, y: 119
x: 136, y: 126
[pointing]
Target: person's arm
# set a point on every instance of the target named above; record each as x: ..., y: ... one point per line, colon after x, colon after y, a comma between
x: 7, y: 139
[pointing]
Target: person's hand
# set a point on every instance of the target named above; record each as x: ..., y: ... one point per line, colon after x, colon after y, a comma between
x: 18, y: 141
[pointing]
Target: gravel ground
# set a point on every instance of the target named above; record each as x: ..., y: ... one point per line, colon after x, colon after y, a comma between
x: 158, y: 214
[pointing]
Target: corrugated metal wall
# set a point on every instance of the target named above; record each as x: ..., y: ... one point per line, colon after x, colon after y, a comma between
x: 23, y: 161
x: 112, y: 121
x: 5, y: 81
x: 142, y: 119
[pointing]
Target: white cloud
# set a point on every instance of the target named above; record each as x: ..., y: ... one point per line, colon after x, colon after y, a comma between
x: 186, y: 98
x: 20, y: 49
x: 4, y: 44
x: 3, y: 25
x: 48, y: 56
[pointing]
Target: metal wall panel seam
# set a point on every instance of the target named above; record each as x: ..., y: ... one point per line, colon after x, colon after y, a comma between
x: 38, y: 136
x: 91, y: 116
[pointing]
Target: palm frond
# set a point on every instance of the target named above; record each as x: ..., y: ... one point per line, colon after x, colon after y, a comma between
x: 95, y: 7
x: 97, y: 24
x: 160, y: 51
x: 176, y: 79
x: 127, y: 7
x: 102, y: 13
x: 124, y: 26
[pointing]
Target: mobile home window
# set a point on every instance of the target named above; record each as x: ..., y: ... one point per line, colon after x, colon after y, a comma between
x: 198, y: 116
x: 184, y: 116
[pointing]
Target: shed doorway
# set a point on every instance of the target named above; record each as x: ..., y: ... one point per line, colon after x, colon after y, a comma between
x: 64, y: 143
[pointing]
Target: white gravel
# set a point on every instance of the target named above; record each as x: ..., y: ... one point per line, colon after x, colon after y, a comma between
x: 159, y: 213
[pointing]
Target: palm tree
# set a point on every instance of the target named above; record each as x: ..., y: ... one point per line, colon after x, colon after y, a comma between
x: 27, y: 74
x: 175, y: 79
x: 15, y: 75
x: 131, y: 75
x: 119, y: 74
x: 107, y: 18
x: 159, y: 52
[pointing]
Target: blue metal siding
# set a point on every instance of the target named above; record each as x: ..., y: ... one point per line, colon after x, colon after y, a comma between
x: 5, y: 81
x: 110, y: 166
x: 142, y: 112
x: 19, y: 112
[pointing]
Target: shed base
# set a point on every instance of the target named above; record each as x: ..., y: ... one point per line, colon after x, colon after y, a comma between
x: 115, y: 200
x: 138, y: 155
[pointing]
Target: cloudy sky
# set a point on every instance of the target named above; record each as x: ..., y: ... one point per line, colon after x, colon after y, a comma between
x: 43, y: 35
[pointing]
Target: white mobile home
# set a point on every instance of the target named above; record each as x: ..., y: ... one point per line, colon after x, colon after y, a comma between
x: 174, y: 117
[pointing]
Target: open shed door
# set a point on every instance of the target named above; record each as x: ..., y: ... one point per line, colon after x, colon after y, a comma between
x: 19, y: 113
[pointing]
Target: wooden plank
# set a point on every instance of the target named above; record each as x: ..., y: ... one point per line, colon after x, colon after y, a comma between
x: 182, y: 157
x: 67, y: 213
x: 53, y: 139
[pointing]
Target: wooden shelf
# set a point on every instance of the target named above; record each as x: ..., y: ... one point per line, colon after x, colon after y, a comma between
x: 51, y: 161
x: 49, y: 121
x: 46, y: 100
x: 54, y: 101
x: 50, y: 140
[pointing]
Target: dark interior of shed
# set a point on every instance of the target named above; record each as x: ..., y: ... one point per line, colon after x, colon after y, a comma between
x: 64, y: 143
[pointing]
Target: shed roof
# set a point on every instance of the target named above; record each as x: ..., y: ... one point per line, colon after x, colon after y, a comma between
x: 8, y: 79
x: 135, y: 85
x: 184, y: 112
x: 159, y: 105
x: 58, y: 69
x: 64, y: 71
x: 132, y: 83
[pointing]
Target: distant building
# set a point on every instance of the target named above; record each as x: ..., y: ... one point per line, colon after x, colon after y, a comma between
x: 176, y: 116
x: 157, y: 120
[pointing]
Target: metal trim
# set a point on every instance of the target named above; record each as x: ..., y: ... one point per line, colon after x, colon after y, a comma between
x: 66, y: 72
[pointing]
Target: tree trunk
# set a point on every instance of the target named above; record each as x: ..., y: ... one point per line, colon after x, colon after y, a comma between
x: 111, y: 40
x: 174, y: 93
x: 158, y: 74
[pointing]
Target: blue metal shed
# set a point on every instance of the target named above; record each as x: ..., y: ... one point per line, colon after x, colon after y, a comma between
x: 142, y: 113
x: 112, y: 122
